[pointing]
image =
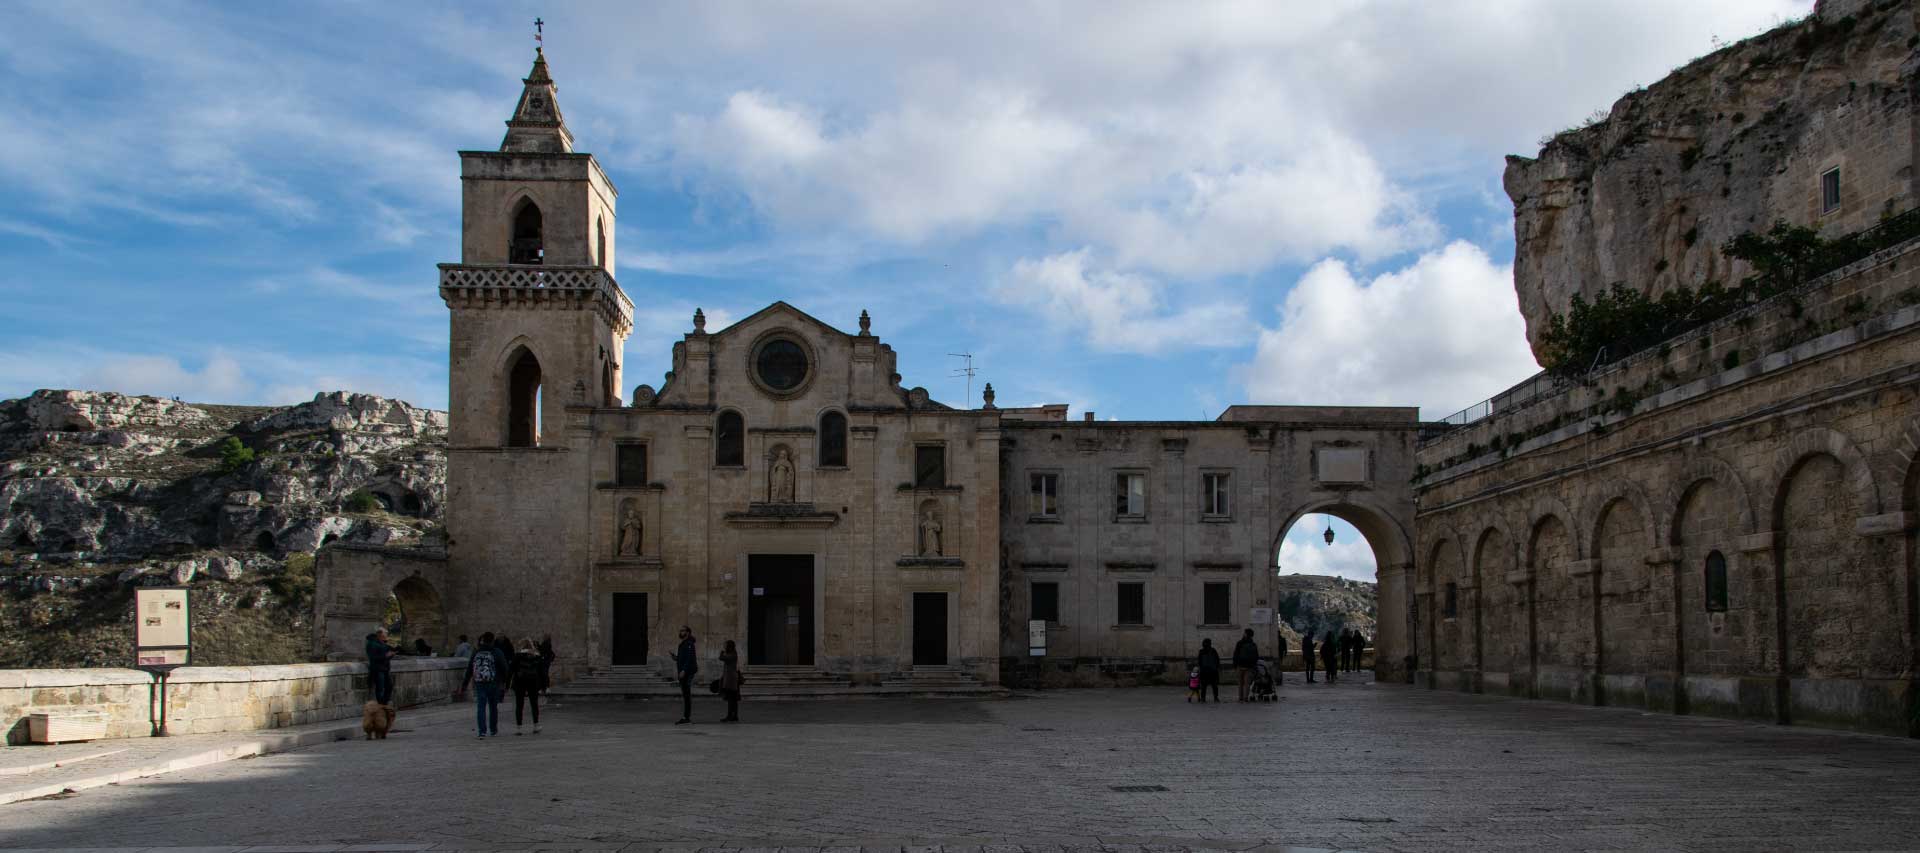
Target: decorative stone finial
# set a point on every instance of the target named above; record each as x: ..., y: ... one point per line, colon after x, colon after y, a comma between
x: 988, y: 396
x: 866, y: 323
x: 699, y: 321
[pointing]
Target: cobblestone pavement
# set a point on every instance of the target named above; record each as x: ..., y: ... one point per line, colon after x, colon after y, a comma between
x: 1352, y: 765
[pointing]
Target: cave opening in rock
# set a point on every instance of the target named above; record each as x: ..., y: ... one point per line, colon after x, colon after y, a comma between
x: 264, y: 542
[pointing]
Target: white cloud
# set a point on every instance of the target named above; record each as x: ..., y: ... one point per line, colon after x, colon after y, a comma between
x: 1441, y: 333
x: 218, y: 375
x: 1348, y: 557
x: 1118, y: 311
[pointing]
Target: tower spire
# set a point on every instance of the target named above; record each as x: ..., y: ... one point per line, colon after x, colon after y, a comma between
x: 537, y: 125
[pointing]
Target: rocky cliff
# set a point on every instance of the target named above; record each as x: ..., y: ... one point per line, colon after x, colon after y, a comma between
x: 1320, y: 603
x: 106, y: 491
x: 1647, y: 195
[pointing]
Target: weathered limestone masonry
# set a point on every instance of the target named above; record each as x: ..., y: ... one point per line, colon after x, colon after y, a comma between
x: 1724, y: 524
x: 785, y: 490
x: 1724, y: 145
x: 207, y: 699
x: 1275, y: 463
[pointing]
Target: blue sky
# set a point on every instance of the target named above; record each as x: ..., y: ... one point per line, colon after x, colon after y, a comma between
x: 1146, y: 210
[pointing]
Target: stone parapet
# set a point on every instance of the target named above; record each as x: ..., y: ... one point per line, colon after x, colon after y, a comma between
x: 484, y: 285
x: 208, y: 699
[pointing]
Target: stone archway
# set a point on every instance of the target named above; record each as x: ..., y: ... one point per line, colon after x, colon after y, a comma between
x: 1391, y: 540
x: 421, y: 614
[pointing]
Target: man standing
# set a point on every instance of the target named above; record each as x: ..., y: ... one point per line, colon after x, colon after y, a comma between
x: 486, y: 670
x: 464, y: 650
x: 1306, y: 653
x: 1279, y: 659
x: 1246, y: 656
x: 1330, y: 657
x: 685, y: 663
x: 380, y: 666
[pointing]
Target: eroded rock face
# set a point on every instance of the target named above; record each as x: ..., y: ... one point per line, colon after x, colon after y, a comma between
x: 1725, y: 145
x: 135, y: 485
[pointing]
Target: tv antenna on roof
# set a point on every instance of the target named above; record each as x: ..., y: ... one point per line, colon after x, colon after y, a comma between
x: 966, y: 371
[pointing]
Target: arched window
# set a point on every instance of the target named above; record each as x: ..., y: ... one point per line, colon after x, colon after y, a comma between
x: 833, y: 440
x: 608, y: 394
x: 600, y: 244
x: 1716, y: 578
x: 523, y: 401
x: 730, y: 440
x: 528, y: 247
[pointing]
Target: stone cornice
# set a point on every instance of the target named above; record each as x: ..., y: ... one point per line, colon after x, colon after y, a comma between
x: 481, y: 286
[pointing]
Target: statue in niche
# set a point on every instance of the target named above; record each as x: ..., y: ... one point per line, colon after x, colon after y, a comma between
x: 930, y: 545
x: 630, y: 532
x: 780, y: 478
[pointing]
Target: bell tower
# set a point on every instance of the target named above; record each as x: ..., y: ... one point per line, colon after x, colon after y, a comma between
x: 538, y: 321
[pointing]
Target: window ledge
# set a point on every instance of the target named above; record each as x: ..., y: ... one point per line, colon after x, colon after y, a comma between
x: 831, y: 468
x: 634, y: 487
x: 1216, y: 519
x: 1129, y: 519
x: 729, y: 467
x: 948, y: 489
x: 1044, y: 519
x: 1132, y: 627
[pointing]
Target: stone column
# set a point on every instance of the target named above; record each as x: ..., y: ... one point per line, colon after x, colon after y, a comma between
x: 1394, y: 641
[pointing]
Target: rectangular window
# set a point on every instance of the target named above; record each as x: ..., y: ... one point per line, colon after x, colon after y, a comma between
x: 1130, y: 495
x: 1830, y: 190
x: 1043, y: 497
x: 630, y: 465
x: 1716, y: 583
x: 1213, y: 495
x: 1133, y: 604
x: 1219, y: 604
x: 929, y: 466
x: 1046, y: 602
x: 1451, y: 608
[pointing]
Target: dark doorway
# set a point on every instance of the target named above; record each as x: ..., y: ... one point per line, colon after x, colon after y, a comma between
x: 780, y: 609
x: 629, y: 628
x: 929, y: 629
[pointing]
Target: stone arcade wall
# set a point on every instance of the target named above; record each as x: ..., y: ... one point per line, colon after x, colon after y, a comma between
x: 1564, y: 544
x: 207, y: 699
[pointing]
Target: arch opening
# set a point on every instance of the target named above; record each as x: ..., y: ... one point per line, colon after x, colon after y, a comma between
x: 523, y: 401
x: 1330, y: 590
x: 528, y: 245
x: 414, y: 613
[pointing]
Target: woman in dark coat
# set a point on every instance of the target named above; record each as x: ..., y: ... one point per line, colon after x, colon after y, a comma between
x: 686, y: 662
x: 524, y: 678
x: 730, y: 681
x: 1330, y: 657
x: 1209, y: 666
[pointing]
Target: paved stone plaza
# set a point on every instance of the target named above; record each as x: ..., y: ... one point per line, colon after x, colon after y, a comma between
x: 1354, y: 765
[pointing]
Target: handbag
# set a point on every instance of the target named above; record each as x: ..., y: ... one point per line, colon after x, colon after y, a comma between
x: 714, y: 685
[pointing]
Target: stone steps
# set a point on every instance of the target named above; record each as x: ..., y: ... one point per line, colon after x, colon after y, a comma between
x: 779, y: 683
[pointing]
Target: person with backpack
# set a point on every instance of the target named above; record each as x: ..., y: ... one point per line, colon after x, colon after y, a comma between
x: 485, y: 670
x: 1208, y: 662
x: 524, y: 677
x: 1246, y: 656
x: 686, y: 662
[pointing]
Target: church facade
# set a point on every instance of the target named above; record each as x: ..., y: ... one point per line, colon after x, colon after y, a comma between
x: 784, y: 488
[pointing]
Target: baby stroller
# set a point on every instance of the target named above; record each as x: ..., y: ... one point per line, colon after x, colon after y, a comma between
x: 1263, y: 686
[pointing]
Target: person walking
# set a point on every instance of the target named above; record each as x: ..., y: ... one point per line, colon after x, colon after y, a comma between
x: 1306, y: 653
x: 1246, y: 656
x: 546, y: 662
x: 465, y: 649
x: 730, y: 680
x: 1209, y: 666
x: 1359, y: 652
x: 380, y: 666
x: 1279, y: 658
x: 1330, y: 657
x: 485, y: 671
x: 525, y: 678
x: 686, y: 662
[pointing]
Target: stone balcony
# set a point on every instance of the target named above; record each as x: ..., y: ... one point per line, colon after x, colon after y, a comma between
x: 512, y: 285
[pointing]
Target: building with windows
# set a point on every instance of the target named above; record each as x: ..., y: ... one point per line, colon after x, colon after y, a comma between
x: 784, y: 489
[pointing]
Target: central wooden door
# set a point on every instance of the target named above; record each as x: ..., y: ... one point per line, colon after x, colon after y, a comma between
x: 780, y: 609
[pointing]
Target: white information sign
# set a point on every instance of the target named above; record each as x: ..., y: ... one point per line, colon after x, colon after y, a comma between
x: 162, y: 624
x: 1037, y: 637
x: 1260, y: 616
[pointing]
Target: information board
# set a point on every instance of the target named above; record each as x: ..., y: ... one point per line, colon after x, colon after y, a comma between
x: 1260, y: 616
x: 1037, y: 637
x: 162, y: 627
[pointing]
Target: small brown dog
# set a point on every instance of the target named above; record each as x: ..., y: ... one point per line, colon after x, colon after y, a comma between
x: 376, y: 719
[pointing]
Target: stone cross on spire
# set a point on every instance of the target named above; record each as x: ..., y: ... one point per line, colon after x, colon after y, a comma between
x: 537, y: 126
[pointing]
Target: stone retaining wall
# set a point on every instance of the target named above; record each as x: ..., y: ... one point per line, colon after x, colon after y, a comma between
x: 206, y: 699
